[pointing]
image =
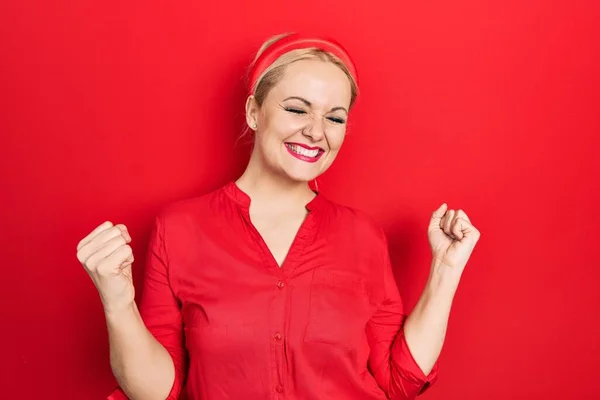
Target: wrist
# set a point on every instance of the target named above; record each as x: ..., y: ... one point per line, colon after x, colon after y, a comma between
x: 117, y: 313
x: 443, y: 277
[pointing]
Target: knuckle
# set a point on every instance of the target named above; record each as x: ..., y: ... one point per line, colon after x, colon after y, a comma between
x: 102, y: 272
x: 91, y: 262
x: 83, y: 261
x: 90, y: 266
x: 112, y: 236
x: 105, y: 268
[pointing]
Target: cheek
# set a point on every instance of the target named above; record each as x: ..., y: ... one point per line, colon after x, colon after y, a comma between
x: 284, y: 125
x: 336, y: 139
x: 270, y: 142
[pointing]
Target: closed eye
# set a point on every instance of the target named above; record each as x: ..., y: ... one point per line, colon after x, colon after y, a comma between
x: 295, y: 110
x: 336, y: 120
x: 299, y: 111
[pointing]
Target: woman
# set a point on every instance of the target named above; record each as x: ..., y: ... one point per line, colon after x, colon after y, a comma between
x: 265, y: 289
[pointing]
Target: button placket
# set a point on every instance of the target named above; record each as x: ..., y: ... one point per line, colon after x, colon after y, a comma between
x: 278, y: 322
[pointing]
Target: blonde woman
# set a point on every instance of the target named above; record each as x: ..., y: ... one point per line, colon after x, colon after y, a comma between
x: 265, y: 289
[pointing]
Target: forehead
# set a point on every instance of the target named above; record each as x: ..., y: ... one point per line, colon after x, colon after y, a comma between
x: 320, y: 82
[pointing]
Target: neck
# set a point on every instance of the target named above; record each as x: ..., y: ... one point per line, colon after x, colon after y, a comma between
x: 271, y: 191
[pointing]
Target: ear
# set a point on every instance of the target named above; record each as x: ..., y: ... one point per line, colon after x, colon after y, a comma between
x: 252, y: 110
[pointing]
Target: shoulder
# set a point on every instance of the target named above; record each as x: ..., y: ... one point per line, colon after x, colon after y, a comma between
x: 355, y: 221
x: 356, y: 241
x: 193, y: 210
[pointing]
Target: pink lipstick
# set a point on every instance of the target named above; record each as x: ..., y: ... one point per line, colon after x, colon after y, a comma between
x: 304, y: 152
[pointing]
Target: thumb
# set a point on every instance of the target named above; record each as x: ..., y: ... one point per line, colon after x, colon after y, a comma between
x: 439, y: 213
x: 437, y: 216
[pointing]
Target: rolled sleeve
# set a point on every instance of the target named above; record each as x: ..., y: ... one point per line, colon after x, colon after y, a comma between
x: 406, y: 371
x: 391, y: 361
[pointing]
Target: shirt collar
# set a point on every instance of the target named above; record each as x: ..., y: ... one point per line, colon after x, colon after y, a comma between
x: 236, y: 194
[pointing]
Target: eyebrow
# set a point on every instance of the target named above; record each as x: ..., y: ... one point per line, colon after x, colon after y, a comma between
x: 308, y: 103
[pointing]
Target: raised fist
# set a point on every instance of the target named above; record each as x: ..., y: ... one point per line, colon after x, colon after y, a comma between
x: 107, y: 257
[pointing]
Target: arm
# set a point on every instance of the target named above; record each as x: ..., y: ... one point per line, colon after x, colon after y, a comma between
x: 452, y: 238
x: 391, y: 360
x: 142, y: 366
x: 146, y: 346
x: 425, y: 328
x: 406, y: 365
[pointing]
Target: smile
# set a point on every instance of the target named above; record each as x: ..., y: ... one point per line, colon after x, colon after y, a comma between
x: 304, y: 153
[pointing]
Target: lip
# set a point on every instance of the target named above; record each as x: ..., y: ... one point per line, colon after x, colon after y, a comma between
x: 306, y: 146
x: 302, y: 157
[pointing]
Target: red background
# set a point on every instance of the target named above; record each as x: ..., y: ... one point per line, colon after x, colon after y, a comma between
x: 110, y: 110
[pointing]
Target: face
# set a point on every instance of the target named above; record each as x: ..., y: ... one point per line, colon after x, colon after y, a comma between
x: 302, y: 122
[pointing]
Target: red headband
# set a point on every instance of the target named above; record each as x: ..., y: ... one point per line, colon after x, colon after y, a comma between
x: 298, y: 41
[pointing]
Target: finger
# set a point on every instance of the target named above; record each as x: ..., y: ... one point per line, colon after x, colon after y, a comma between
x: 471, y: 232
x: 104, y: 251
x: 128, y: 261
x: 97, y: 242
x: 105, y: 236
x: 463, y: 215
x: 457, y: 227
x: 124, y: 232
x: 100, y: 228
x: 108, y: 234
x: 116, y: 259
x: 448, y: 222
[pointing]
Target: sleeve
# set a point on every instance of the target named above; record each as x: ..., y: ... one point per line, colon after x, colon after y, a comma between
x: 390, y: 360
x: 160, y: 309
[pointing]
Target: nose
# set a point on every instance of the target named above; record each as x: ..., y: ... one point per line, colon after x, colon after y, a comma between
x: 315, y: 131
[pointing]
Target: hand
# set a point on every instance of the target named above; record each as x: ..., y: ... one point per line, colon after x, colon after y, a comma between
x: 452, y: 238
x: 107, y: 257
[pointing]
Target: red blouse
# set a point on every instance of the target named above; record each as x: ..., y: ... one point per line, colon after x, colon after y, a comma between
x: 326, y: 325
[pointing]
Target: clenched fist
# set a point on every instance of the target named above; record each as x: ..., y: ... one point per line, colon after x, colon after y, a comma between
x: 107, y: 257
x: 452, y: 238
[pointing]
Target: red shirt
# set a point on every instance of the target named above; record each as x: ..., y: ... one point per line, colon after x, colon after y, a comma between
x: 326, y: 325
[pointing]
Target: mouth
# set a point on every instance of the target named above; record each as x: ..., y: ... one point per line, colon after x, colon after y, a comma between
x: 304, y: 153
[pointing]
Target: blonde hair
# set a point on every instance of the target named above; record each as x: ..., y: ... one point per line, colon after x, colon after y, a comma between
x: 274, y: 72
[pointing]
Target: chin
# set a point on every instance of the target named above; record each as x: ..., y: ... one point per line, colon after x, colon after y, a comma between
x: 301, y: 176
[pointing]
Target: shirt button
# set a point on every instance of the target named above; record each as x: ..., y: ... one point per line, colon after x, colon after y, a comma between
x: 277, y: 336
x: 279, y: 389
x: 280, y: 284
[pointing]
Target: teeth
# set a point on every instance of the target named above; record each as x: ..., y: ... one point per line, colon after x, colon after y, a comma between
x: 302, y: 151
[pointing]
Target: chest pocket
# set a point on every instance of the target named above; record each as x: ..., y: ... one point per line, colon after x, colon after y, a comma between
x: 339, y: 309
